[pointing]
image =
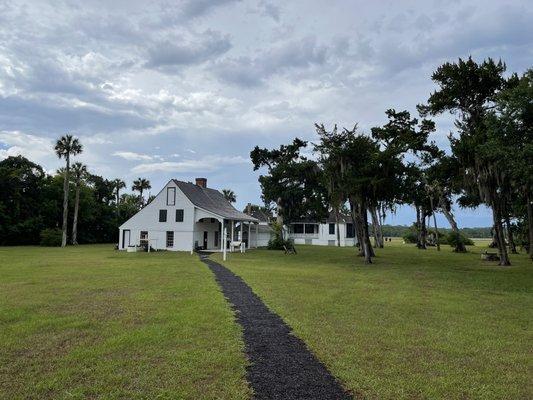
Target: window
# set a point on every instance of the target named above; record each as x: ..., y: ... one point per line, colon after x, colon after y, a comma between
x: 162, y: 215
x: 144, y: 238
x: 350, y: 233
x: 179, y: 215
x: 170, y: 239
x: 171, y: 196
x: 311, y: 228
x: 298, y: 228
x: 331, y: 229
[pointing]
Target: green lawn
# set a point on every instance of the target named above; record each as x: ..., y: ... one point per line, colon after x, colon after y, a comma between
x: 414, y: 325
x: 90, y: 322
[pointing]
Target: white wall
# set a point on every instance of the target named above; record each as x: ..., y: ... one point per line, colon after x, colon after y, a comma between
x: 260, y: 240
x: 147, y: 219
x: 324, y: 238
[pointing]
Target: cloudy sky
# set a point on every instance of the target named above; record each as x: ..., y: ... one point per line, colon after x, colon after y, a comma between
x: 186, y: 88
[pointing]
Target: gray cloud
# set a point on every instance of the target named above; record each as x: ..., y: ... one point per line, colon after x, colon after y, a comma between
x: 179, y: 51
x: 290, y: 55
x: 141, y: 84
x: 196, y: 8
x: 270, y: 9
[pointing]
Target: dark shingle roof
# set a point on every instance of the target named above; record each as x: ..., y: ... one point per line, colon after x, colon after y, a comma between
x: 261, y: 215
x: 343, y: 218
x: 211, y: 200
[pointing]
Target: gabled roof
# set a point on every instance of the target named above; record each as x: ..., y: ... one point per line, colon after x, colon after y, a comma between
x: 211, y: 200
x: 343, y: 219
x: 261, y: 215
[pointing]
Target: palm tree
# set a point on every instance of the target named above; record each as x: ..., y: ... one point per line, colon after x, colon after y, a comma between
x: 140, y: 185
x: 65, y: 147
x: 79, y: 171
x: 118, y: 184
x: 229, y: 195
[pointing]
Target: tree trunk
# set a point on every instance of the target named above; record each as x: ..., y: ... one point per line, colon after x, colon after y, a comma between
x: 337, y: 227
x: 65, y: 201
x: 369, y: 251
x: 530, y: 225
x: 118, y: 202
x: 381, y: 218
x: 141, y: 199
x: 512, y: 245
x: 366, y: 243
x: 435, y: 224
x: 459, y: 246
x: 500, y: 240
x: 494, y: 243
x: 75, y: 219
x: 279, y: 218
x: 357, y: 225
x: 423, y: 230
x: 418, y: 225
x: 376, y: 228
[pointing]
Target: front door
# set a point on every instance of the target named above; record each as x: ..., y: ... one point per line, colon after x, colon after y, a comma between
x: 126, y: 238
x: 205, y: 240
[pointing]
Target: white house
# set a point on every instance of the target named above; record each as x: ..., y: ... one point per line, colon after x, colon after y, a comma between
x: 264, y: 231
x: 323, y: 233
x: 185, y: 216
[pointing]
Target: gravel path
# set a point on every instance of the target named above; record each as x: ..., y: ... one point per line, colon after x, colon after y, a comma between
x: 281, y: 365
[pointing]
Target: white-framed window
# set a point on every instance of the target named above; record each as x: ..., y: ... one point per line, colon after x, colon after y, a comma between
x: 171, y: 196
x: 350, y: 231
x: 331, y: 229
x: 179, y: 215
x: 311, y: 228
x: 170, y: 238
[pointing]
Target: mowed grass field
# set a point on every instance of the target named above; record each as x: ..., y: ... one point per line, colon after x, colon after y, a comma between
x: 414, y: 325
x: 90, y: 322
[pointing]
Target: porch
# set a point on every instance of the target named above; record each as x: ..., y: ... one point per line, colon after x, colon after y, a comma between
x: 216, y: 234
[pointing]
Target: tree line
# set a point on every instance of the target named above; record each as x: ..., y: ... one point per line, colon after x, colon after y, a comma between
x: 72, y: 205
x: 490, y: 162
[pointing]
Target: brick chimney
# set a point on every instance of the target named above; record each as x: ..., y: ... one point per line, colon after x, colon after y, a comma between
x: 202, y: 182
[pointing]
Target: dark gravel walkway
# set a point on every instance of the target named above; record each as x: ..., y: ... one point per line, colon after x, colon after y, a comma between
x: 281, y: 365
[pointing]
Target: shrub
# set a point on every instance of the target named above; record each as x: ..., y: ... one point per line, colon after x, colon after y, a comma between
x: 277, y: 242
x: 454, y: 238
x: 410, y: 236
x: 51, y: 237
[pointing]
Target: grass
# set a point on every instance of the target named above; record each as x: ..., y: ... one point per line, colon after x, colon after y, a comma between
x: 90, y: 322
x: 414, y: 325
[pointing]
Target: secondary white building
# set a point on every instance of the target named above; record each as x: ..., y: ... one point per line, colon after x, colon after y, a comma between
x: 323, y: 233
x: 264, y: 231
x: 185, y: 216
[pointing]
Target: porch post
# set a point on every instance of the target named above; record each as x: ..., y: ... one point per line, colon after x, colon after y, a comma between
x: 232, y: 235
x: 256, y: 234
x: 249, y: 234
x: 224, y: 243
x: 221, y: 235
